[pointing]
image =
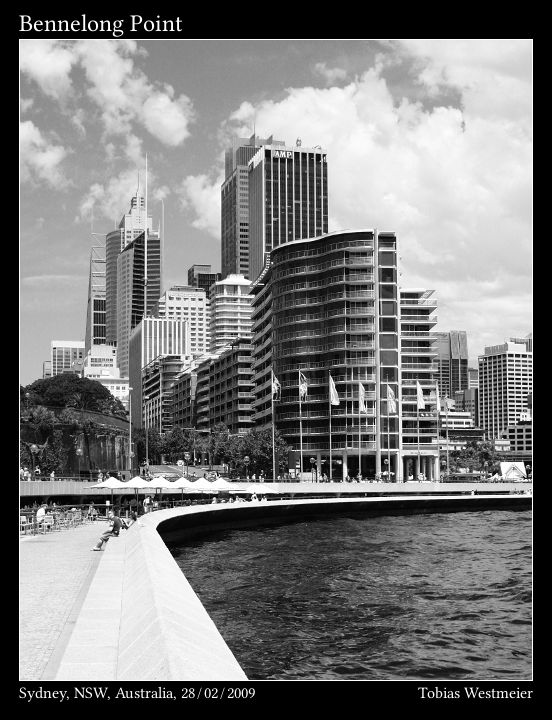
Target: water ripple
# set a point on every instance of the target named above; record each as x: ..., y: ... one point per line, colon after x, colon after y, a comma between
x: 436, y: 596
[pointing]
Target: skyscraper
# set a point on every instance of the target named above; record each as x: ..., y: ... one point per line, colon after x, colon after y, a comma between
x: 131, y: 292
x: 132, y: 224
x: 505, y: 382
x: 452, y: 361
x: 288, y: 198
x: 95, y: 333
x: 235, y: 205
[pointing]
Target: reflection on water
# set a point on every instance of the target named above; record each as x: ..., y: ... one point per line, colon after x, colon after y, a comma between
x: 441, y: 596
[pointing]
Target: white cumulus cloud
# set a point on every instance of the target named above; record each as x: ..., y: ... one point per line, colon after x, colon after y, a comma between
x: 40, y: 160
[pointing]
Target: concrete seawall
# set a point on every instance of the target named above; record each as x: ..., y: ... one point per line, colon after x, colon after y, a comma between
x: 141, y: 619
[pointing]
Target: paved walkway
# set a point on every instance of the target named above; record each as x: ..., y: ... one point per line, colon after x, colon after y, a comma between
x: 54, y: 573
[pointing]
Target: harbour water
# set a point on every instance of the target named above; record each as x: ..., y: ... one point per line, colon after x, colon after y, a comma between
x: 443, y: 596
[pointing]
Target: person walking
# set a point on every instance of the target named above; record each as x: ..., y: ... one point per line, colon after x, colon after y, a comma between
x: 117, y: 524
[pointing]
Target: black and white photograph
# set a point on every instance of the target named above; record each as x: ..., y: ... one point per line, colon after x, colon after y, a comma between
x: 275, y: 364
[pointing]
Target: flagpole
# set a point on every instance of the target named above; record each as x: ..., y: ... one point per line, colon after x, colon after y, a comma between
x: 446, y: 417
x: 330, y: 415
x: 300, y: 430
x: 438, y: 434
x: 359, y: 456
x: 273, y: 432
x: 388, y: 445
x: 418, y: 435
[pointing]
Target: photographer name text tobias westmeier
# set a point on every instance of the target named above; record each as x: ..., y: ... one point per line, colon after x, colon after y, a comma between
x: 473, y: 693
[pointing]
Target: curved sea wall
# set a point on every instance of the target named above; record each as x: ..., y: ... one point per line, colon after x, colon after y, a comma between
x: 147, y: 622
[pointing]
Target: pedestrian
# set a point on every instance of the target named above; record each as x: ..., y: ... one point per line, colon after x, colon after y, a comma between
x: 37, y: 472
x: 41, y: 514
x: 92, y: 512
x: 147, y: 503
x: 52, y: 475
x: 116, y: 525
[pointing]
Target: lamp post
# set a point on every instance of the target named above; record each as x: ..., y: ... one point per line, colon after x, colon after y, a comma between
x: 78, y: 452
x: 323, y: 463
x: 386, y: 463
x: 187, y: 458
x: 34, y: 449
x: 130, y: 430
x: 146, y: 398
x: 246, y: 463
x: 312, y: 461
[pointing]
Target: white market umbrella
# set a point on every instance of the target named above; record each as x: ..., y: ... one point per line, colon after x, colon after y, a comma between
x: 112, y: 484
x: 264, y: 489
x: 138, y: 483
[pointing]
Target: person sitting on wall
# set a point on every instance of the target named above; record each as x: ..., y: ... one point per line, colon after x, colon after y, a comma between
x: 113, y: 531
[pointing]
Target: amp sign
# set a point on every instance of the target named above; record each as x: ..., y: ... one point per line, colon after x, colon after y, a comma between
x: 288, y: 154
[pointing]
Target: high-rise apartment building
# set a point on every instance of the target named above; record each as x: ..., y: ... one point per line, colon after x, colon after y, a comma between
x: 182, y: 302
x: 225, y: 386
x: 132, y: 224
x: 288, y: 198
x: 452, y: 361
x: 95, y: 333
x: 230, y: 311
x: 235, y: 205
x: 335, y: 312
x: 135, y: 300
x: 201, y: 276
x: 505, y: 381
x: 420, y: 436
x: 64, y: 354
x: 151, y: 338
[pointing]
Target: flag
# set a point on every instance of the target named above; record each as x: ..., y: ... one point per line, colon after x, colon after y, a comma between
x: 391, y: 402
x: 303, y: 385
x: 419, y: 396
x: 276, y: 387
x: 334, y: 397
x: 361, y: 399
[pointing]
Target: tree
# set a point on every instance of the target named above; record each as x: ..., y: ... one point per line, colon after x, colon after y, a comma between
x: 69, y: 390
x: 257, y: 445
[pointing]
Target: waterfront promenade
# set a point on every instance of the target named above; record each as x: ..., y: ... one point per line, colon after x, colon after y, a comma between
x: 55, y: 572
x: 128, y: 613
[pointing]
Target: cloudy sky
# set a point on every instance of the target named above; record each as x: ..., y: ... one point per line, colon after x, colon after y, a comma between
x: 429, y: 138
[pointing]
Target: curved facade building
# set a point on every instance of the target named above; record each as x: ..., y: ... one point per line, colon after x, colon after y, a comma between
x: 335, y: 312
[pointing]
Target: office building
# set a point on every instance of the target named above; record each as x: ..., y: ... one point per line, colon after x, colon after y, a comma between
x: 520, y: 437
x: 505, y: 381
x: 420, y: 436
x: 151, y: 338
x: 452, y: 361
x: 64, y: 354
x: 230, y: 310
x: 131, y: 226
x: 46, y: 369
x: 288, y: 198
x: 201, y: 276
x: 96, y: 329
x: 134, y: 299
x: 184, y: 396
x: 235, y: 205
x: 158, y: 378
x: 334, y: 312
x: 182, y: 302
x: 468, y: 401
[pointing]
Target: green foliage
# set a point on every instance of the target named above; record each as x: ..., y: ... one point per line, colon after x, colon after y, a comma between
x: 475, y: 456
x: 71, y: 391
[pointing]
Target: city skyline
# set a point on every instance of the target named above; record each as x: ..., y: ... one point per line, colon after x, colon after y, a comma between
x: 429, y: 139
